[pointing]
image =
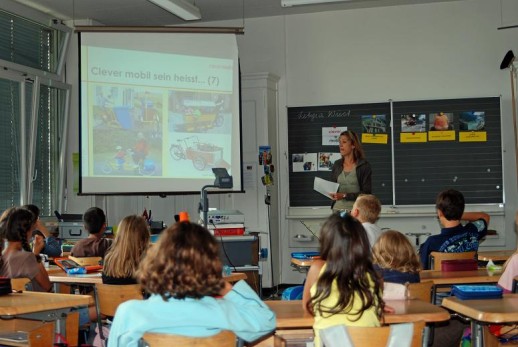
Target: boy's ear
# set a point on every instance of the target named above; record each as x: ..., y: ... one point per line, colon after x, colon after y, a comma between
x: 355, y: 212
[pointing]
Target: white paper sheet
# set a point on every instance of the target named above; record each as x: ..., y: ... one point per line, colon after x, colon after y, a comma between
x: 325, y: 187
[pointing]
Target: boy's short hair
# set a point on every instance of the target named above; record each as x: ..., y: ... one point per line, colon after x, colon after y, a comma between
x: 94, y: 219
x: 451, y: 203
x: 369, y: 207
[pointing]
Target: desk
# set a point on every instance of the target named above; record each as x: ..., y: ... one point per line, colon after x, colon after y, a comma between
x: 290, y: 314
x: 95, y: 277
x: 459, y: 277
x: 443, y: 279
x: 44, y: 307
x: 496, y: 256
x: 301, y: 265
x: 489, y: 311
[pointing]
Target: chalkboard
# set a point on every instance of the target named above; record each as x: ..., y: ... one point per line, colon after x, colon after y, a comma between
x: 305, y: 136
x: 421, y: 169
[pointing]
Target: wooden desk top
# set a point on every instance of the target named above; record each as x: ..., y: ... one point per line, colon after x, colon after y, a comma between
x: 95, y: 277
x: 291, y: 315
x: 501, y: 255
x: 63, y: 277
x: 459, y: 277
x: 486, y: 310
x: 30, y: 302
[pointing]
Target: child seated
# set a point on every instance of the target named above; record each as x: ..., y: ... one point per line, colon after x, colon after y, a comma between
x: 189, y: 296
x: 343, y: 287
x: 395, y: 258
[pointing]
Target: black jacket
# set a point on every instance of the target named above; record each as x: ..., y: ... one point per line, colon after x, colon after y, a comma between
x: 363, y: 172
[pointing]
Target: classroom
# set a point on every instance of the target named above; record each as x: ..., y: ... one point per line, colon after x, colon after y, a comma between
x: 351, y: 55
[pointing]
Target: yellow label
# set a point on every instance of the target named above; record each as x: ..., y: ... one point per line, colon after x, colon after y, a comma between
x: 442, y: 135
x: 472, y: 136
x: 413, y: 137
x: 375, y: 138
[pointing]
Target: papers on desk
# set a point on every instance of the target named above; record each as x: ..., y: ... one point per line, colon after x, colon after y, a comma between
x: 325, y: 187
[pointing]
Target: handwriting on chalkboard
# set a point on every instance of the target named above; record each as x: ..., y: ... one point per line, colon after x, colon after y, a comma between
x: 312, y: 116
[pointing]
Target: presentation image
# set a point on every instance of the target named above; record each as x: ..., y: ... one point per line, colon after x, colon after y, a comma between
x: 413, y: 123
x: 474, y: 121
x: 159, y: 111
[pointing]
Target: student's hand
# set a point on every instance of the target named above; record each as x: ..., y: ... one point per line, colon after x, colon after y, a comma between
x: 227, y: 288
x: 389, y: 309
x: 38, y: 244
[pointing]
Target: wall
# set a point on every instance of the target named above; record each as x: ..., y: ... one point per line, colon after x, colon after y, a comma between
x: 412, y: 52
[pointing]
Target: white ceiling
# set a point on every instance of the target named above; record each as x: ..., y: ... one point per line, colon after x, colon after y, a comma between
x: 144, y: 13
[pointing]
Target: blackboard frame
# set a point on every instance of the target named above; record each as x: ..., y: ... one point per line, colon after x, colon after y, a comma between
x: 404, y: 174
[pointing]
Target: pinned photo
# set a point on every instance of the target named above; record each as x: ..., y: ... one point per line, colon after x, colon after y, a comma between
x: 441, y: 121
x: 413, y: 123
x: 472, y: 121
x: 304, y: 162
x: 374, y: 124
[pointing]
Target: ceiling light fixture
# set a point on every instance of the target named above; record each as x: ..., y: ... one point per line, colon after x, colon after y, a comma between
x: 179, y: 8
x: 289, y: 3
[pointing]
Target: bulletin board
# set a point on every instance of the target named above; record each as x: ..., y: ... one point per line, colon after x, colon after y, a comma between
x: 415, y: 148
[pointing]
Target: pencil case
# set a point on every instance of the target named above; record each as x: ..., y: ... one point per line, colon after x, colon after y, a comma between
x: 459, y: 265
x: 305, y: 255
x: 470, y: 292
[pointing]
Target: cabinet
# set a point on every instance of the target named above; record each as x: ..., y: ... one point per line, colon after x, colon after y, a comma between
x: 241, y: 253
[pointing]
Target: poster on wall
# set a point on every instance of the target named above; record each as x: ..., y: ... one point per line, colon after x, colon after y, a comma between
x: 374, y: 129
x: 304, y: 162
x: 413, y: 128
x: 326, y: 160
x: 330, y: 135
x: 441, y: 127
x: 472, y: 127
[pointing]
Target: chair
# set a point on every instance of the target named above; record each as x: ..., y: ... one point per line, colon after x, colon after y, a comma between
x: 109, y: 296
x: 422, y: 291
x: 437, y: 257
x: 394, y: 335
x: 224, y: 339
x: 20, y: 284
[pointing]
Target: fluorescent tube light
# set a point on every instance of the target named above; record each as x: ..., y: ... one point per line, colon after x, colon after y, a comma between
x: 289, y: 3
x: 179, y: 8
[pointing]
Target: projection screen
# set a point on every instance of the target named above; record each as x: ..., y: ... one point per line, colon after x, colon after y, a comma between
x: 158, y: 111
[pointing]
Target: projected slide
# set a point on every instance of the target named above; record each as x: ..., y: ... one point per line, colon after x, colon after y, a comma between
x: 158, y: 112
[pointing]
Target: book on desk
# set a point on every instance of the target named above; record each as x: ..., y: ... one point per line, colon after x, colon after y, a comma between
x: 69, y: 265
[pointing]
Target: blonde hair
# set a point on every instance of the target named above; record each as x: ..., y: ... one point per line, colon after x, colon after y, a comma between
x: 393, y: 251
x: 132, y: 240
x: 369, y: 207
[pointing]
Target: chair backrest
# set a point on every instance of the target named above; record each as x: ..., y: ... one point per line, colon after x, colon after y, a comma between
x: 437, y: 257
x: 110, y: 296
x: 421, y: 291
x: 20, y: 284
x: 380, y: 336
x: 224, y: 339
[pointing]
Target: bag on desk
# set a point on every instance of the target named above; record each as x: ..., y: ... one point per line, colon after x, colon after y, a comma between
x: 5, y: 286
x: 459, y: 265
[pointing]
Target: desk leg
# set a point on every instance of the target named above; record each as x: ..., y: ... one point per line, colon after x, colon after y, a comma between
x: 72, y: 328
x: 426, y: 336
x: 477, y: 337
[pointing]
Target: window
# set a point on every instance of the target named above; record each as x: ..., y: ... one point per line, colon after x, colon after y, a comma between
x: 33, y: 112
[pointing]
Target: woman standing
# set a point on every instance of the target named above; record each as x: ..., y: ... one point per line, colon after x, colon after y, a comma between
x: 353, y: 173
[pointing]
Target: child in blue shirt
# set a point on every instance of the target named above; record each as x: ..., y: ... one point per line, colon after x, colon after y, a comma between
x: 189, y: 296
x: 454, y: 236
